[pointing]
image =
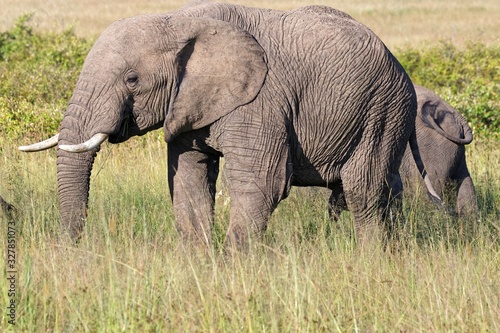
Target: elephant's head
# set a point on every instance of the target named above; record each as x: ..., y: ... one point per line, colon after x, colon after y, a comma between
x: 144, y: 72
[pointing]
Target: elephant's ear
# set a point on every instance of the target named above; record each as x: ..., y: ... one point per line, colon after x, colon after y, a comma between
x: 219, y: 68
x: 448, y: 122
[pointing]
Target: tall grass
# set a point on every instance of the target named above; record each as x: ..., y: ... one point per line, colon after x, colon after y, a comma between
x: 132, y: 273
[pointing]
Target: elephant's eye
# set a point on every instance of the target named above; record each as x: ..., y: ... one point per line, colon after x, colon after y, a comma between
x: 132, y: 79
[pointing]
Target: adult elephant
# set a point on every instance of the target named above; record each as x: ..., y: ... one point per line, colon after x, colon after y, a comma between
x: 308, y: 98
x: 441, y: 133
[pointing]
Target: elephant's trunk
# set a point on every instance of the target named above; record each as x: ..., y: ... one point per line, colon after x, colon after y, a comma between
x: 94, y: 112
x: 73, y: 174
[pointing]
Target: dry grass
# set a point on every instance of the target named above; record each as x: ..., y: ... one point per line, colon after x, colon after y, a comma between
x: 397, y: 22
x: 130, y: 272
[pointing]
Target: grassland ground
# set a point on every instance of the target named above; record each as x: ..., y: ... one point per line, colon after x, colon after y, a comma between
x: 132, y: 273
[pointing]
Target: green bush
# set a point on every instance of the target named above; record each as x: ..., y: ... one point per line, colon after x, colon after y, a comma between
x: 468, y: 78
x: 38, y: 72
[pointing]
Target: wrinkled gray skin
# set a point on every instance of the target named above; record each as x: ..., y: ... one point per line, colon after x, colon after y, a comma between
x: 307, y: 98
x: 442, y: 133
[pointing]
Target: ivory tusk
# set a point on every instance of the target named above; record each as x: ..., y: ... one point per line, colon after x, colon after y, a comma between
x: 88, y: 145
x: 46, y: 144
x: 430, y: 188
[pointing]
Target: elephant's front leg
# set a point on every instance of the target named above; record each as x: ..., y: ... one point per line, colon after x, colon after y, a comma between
x: 192, y: 176
x: 258, y: 177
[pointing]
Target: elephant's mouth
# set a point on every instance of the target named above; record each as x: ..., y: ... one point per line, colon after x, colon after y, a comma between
x: 129, y: 127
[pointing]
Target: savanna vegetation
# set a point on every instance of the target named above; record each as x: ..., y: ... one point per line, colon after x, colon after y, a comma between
x: 131, y: 273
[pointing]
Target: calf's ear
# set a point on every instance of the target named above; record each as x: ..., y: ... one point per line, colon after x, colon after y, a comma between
x: 443, y: 118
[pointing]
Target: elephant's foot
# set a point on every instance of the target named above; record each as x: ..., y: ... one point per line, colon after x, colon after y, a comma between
x: 368, y: 235
x: 241, y: 236
x: 195, y: 237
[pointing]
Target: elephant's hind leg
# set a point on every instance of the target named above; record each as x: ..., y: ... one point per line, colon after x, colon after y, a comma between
x: 367, y: 191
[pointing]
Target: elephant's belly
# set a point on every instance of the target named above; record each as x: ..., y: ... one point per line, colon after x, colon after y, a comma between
x: 317, y: 164
x: 310, y: 175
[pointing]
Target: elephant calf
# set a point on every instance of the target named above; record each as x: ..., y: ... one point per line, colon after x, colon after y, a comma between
x: 441, y: 133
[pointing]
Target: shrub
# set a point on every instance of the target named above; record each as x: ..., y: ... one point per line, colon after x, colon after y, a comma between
x: 38, y: 72
x: 468, y: 78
